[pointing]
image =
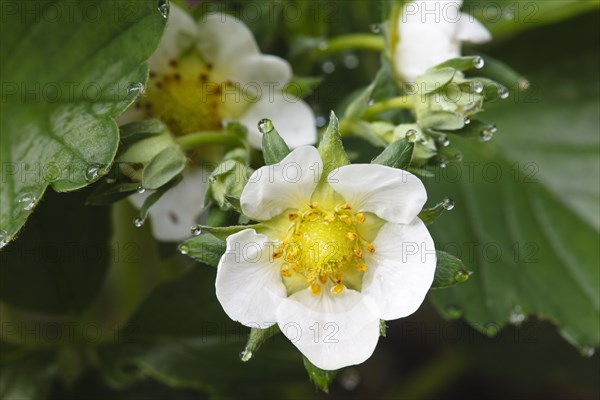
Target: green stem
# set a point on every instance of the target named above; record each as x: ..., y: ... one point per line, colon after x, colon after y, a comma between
x: 405, y: 102
x: 355, y: 41
x: 197, y: 139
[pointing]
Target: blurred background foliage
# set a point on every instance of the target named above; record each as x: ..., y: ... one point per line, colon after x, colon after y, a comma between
x: 84, y: 317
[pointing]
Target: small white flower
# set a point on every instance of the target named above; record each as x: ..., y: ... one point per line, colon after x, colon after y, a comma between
x: 431, y: 32
x: 330, y: 260
x: 203, y: 74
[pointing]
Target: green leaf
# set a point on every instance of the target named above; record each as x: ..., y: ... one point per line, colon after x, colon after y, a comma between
x: 526, y: 219
x: 320, y: 377
x: 154, y: 197
x: 397, y: 155
x: 331, y: 148
x: 226, y: 183
x: 205, y: 248
x: 256, y: 339
x: 164, y: 167
x: 442, y: 120
x: 459, y: 64
x: 107, y: 193
x: 60, y: 98
x: 449, y: 271
x: 435, y: 79
x: 273, y: 146
x: 429, y: 215
x: 140, y: 130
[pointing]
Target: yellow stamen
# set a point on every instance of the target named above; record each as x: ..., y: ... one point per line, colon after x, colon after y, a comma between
x: 278, y: 253
x: 315, y: 289
x: 285, y: 271
x: 292, y: 216
x: 329, y: 218
x: 362, y: 267
x: 346, y: 219
x: 370, y: 248
x: 360, y: 218
x: 322, y: 279
x: 358, y: 253
x: 351, y: 236
x: 346, y: 207
x: 337, y: 289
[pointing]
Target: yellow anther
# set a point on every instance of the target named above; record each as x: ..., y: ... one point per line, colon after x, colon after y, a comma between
x: 346, y: 207
x: 360, y: 218
x: 322, y: 279
x: 311, y: 278
x: 313, y: 205
x: 315, y: 289
x: 297, y: 267
x: 285, y: 271
x: 337, y: 289
x: 291, y: 253
x: 277, y: 253
x: 311, y: 216
x: 358, y: 253
x: 351, y: 236
x: 298, y: 232
x: 362, y: 267
x: 346, y: 219
x: 338, y: 278
x: 329, y: 218
x: 292, y: 216
x: 370, y: 248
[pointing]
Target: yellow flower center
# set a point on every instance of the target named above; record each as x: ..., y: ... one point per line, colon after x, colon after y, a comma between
x: 186, y: 97
x: 324, y: 245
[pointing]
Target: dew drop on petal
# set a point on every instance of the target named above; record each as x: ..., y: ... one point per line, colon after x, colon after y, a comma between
x: 4, y: 239
x: 92, y: 172
x: 411, y: 136
x: 349, y: 378
x: 478, y: 62
x: 443, y: 140
x: 26, y: 201
x: 140, y: 189
x: 196, y: 230
x: 163, y: 8
x: 448, y: 204
x: 265, y: 125
x: 328, y: 67
x: 138, y: 221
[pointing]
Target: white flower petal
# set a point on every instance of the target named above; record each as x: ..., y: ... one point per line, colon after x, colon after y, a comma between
x: 249, y: 284
x: 470, y: 30
x: 224, y: 40
x: 289, y: 184
x: 179, y: 208
x: 400, y: 271
x: 392, y: 194
x: 180, y: 32
x: 292, y: 117
x: 332, y: 331
x: 258, y: 75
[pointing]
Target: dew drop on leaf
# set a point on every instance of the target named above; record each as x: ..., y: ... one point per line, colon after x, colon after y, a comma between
x: 196, y: 230
x: 411, y: 136
x: 467, y: 121
x: 265, y: 125
x: 4, y: 239
x: 477, y: 87
x: 183, y: 249
x: 503, y: 92
x: 375, y: 28
x: 443, y: 140
x: 92, y: 172
x: 163, y: 8
x: 587, y: 351
x: 448, y: 204
x: 138, y: 221
x: 140, y: 189
x: 351, y: 61
x: 516, y: 316
x: 328, y: 67
x: 26, y: 201
x: 478, y: 62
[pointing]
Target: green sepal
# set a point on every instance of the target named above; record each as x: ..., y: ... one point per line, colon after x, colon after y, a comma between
x: 429, y: 215
x: 301, y: 86
x: 167, y: 164
x: 139, y: 130
x: 226, y: 184
x: 382, y: 328
x: 435, y: 80
x: 256, y: 338
x: 223, y: 232
x: 273, y: 146
x: 397, y: 155
x: 154, y: 197
x: 320, y: 377
x: 459, y: 64
x: 331, y: 148
x: 449, y: 271
x: 442, y: 120
x: 206, y: 248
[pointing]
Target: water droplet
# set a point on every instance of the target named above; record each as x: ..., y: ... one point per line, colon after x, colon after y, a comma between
x: 265, y: 125
x: 212, y: 179
x: 467, y: 121
x: 138, y: 221
x: 163, y: 8
x: 443, y: 140
x: 478, y: 62
x: 183, y: 249
x: 443, y: 162
x: 135, y: 89
x: 477, y: 87
x: 4, y: 239
x: 587, y: 351
x: 488, y: 133
x: 524, y: 84
x: 26, y: 201
x: 423, y: 140
x: 453, y: 312
x: 140, y: 189
x: 462, y: 276
x: 516, y: 316
x: 458, y: 157
x: 503, y: 92
x: 321, y: 121
x: 351, y: 61
x: 328, y: 67
x: 448, y: 204
x: 375, y: 28
x: 411, y: 136
x: 349, y: 378
x: 509, y: 14
x: 322, y: 45
x: 92, y: 172
x: 492, y: 329
x: 196, y: 230
x: 370, y: 102
x: 246, y: 355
